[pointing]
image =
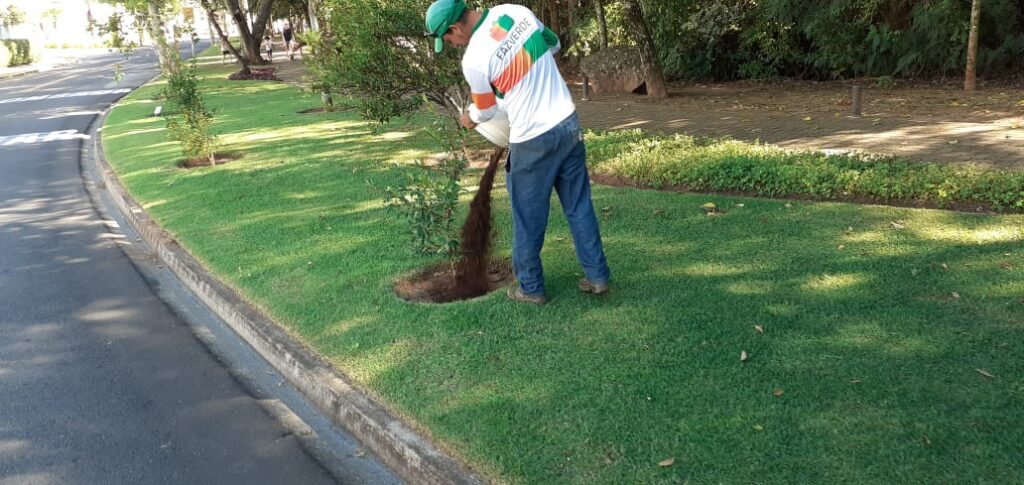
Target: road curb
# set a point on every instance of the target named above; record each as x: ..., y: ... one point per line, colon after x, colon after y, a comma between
x: 414, y: 458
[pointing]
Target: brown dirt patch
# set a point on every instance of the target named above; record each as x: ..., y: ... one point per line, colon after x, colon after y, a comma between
x: 434, y: 283
x: 322, y: 109
x: 219, y: 158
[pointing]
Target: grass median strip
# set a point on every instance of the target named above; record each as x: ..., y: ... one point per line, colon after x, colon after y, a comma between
x: 872, y: 321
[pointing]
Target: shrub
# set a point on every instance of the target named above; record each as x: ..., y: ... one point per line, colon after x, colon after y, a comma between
x: 189, y: 120
x: 764, y: 170
x: 20, y: 52
x: 429, y: 195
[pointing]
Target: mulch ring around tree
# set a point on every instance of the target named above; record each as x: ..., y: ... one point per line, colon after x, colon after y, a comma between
x: 324, y: 109
x: 220, y: 158
x: 266, y: 74
x: 437, y: 283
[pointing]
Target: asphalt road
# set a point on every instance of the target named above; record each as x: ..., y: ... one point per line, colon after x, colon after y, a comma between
x: 101, y: 380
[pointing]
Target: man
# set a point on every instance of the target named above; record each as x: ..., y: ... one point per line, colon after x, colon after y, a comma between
x: 509, y: 56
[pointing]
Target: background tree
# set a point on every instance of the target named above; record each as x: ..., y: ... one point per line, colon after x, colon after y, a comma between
x: 972, y: 47
x: 602, y: 24
x: 656, y: 86
x: 811, y: 39
x: 295, y: 11
x: 213, y: 15
x: 251, y: 34
x: 11, y: 16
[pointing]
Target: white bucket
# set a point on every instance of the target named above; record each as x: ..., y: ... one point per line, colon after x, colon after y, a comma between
x: 496, y: 130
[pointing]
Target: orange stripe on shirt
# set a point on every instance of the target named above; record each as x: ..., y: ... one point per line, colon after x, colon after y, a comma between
x: 515, y: 71
x: 484, y: 100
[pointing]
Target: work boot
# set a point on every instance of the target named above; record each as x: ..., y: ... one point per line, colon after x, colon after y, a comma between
x: 516, y: 294
x: 588, y: 286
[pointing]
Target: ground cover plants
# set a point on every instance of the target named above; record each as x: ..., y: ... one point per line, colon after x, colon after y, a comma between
x: 878, y: 344
x: 764, y: 170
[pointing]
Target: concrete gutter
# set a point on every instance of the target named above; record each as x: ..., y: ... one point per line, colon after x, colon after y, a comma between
x: 411, y: 456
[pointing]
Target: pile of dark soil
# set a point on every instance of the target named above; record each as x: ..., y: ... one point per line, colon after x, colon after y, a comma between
x: 255, y: 75
x: 474, y: 274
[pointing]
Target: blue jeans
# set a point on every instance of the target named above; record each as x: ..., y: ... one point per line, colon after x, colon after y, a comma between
x: 555, y: 159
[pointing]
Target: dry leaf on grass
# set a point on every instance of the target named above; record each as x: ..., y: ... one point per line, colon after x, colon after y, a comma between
x: 898, y: 225
x: 926, y: 440
x: 667, y: 461
x: 778, y: 392
x: 759, y: 328
x: 1006, y: 265
x: 955, y: 295
x: 743, y: 356
x: 985, y: 373
x: 841, y: 247
x: 758, y: 428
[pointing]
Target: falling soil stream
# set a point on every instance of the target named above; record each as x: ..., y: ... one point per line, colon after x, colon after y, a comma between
x: 473, y: 274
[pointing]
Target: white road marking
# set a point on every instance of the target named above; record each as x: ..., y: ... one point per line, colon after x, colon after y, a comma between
x: 64, y: 95
x: 26, y: 138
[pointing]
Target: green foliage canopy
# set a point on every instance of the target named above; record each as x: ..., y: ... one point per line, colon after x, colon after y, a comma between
x: 821, y: 39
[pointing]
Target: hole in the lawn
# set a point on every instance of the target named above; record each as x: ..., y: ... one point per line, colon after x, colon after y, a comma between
x: 318, y: 109
x: 338, y: 108
x: 437, y: 283
x: 219, y: 157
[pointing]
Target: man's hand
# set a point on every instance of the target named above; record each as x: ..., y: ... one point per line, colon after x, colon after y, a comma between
x: 468, y: 123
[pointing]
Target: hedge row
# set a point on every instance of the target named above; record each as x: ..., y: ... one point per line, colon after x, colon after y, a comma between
x: 16, y: 52
x: 763, y: 170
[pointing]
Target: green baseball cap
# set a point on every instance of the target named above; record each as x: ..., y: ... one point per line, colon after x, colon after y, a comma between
x: 441, y: 15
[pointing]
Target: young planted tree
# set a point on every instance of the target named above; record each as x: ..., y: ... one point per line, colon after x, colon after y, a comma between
x: 189, y: 119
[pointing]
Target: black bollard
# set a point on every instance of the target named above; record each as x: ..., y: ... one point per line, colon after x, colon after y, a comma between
x: 586, y: 88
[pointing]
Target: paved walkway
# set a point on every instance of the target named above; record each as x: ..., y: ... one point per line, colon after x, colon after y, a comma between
x: 931, y: 123
x: 937, y: 123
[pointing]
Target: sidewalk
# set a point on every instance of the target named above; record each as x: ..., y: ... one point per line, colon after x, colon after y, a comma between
x: 930, y: 123
x: 924, y: 123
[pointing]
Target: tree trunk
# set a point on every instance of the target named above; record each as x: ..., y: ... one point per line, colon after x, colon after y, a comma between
x: 155, y: 25
x: 251, y: 34
x: 655, y: 79
x: 602, y: 25
x: 212, y: 15
x: 554, y: 22
x: 972, y: 47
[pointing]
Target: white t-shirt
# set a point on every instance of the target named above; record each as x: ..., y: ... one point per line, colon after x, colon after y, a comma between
x: 509, y: 56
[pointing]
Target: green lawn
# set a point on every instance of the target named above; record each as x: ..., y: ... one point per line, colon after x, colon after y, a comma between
x: 876, y: 319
